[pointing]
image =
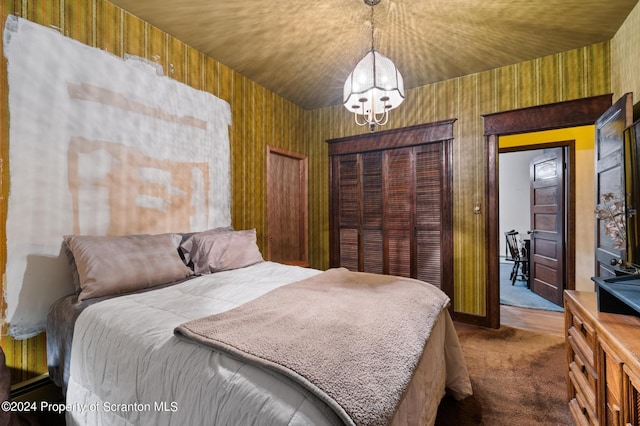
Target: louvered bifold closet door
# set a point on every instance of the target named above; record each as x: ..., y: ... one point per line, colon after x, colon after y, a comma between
x: 429, y: 207
x: 349, y: 211
x: 372, y: 237
x: 398, y: 210
x: 390, y: 203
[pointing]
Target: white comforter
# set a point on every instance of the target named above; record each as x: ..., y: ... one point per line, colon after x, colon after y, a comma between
x: 128, y: 368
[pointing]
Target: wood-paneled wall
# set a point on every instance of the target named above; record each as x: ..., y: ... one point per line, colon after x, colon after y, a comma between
x: 259, y: 118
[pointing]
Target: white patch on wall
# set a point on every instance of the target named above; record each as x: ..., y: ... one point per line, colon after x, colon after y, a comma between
x: 101, y: 146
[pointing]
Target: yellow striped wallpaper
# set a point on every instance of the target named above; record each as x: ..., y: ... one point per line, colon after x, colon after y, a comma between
x: 574, y: 74
x: 261, y: 117
x: 625, y: 58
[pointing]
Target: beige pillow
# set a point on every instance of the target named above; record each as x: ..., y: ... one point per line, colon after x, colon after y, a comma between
x: 114, y: 265
x: 222, y: 250
x: 72, y: 264
x: 186, y: 243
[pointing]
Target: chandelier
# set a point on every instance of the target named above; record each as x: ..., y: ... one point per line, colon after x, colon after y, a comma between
x: 374, y: 87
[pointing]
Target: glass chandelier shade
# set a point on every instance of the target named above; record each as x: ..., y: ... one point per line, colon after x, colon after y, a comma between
x: 374, y: 87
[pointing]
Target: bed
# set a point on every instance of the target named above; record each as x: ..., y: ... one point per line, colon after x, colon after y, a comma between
x: 148, y: 356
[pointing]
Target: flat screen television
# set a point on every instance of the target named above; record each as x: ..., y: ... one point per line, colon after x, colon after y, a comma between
x: 632, y: 194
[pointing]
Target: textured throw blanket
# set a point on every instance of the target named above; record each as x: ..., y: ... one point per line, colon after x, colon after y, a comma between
x: 351, y: 338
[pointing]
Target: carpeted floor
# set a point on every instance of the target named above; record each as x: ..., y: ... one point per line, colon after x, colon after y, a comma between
x: 519, y: 295
x: 518, y: 378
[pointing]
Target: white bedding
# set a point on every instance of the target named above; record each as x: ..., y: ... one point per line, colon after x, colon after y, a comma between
x: 124, y: 352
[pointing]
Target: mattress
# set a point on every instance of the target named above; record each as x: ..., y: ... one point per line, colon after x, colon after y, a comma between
x: 127, y: 367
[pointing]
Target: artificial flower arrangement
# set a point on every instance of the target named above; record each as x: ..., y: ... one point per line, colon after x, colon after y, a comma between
x: 611, y: 211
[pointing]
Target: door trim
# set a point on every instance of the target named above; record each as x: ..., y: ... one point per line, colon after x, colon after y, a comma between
x: 580, y: 112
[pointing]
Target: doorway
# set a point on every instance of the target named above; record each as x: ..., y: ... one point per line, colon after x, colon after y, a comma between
x: 579, y: 112
x: 535, y: 201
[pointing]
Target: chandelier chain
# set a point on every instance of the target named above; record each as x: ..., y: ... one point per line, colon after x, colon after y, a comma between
x: 372, y: 30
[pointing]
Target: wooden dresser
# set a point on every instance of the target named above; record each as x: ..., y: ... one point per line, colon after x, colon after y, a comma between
x: 603, y: 358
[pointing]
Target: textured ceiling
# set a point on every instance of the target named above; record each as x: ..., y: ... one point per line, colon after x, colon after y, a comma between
x: 304, y: 50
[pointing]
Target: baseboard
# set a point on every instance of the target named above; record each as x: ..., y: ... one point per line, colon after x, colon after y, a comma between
x: 39, y: 388
x: 471, y: 319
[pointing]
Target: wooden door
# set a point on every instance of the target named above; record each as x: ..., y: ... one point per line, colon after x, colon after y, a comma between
x: 433, y: 216
x: 372, y: 258
x: 287, y: 211
x: 609, y: 164
x: 398, y: 210
x: 631, y: 404
x: 394, y: 212
x: 346, y: 195
x: 547, y: 269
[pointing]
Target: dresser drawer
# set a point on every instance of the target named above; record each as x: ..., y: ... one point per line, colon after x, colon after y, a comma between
x: 587, y: 374
x: 582, y: 337
x: 580, y: 415
x: 582, y: 363
x: 584, y: 389
x: 603, y: 363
